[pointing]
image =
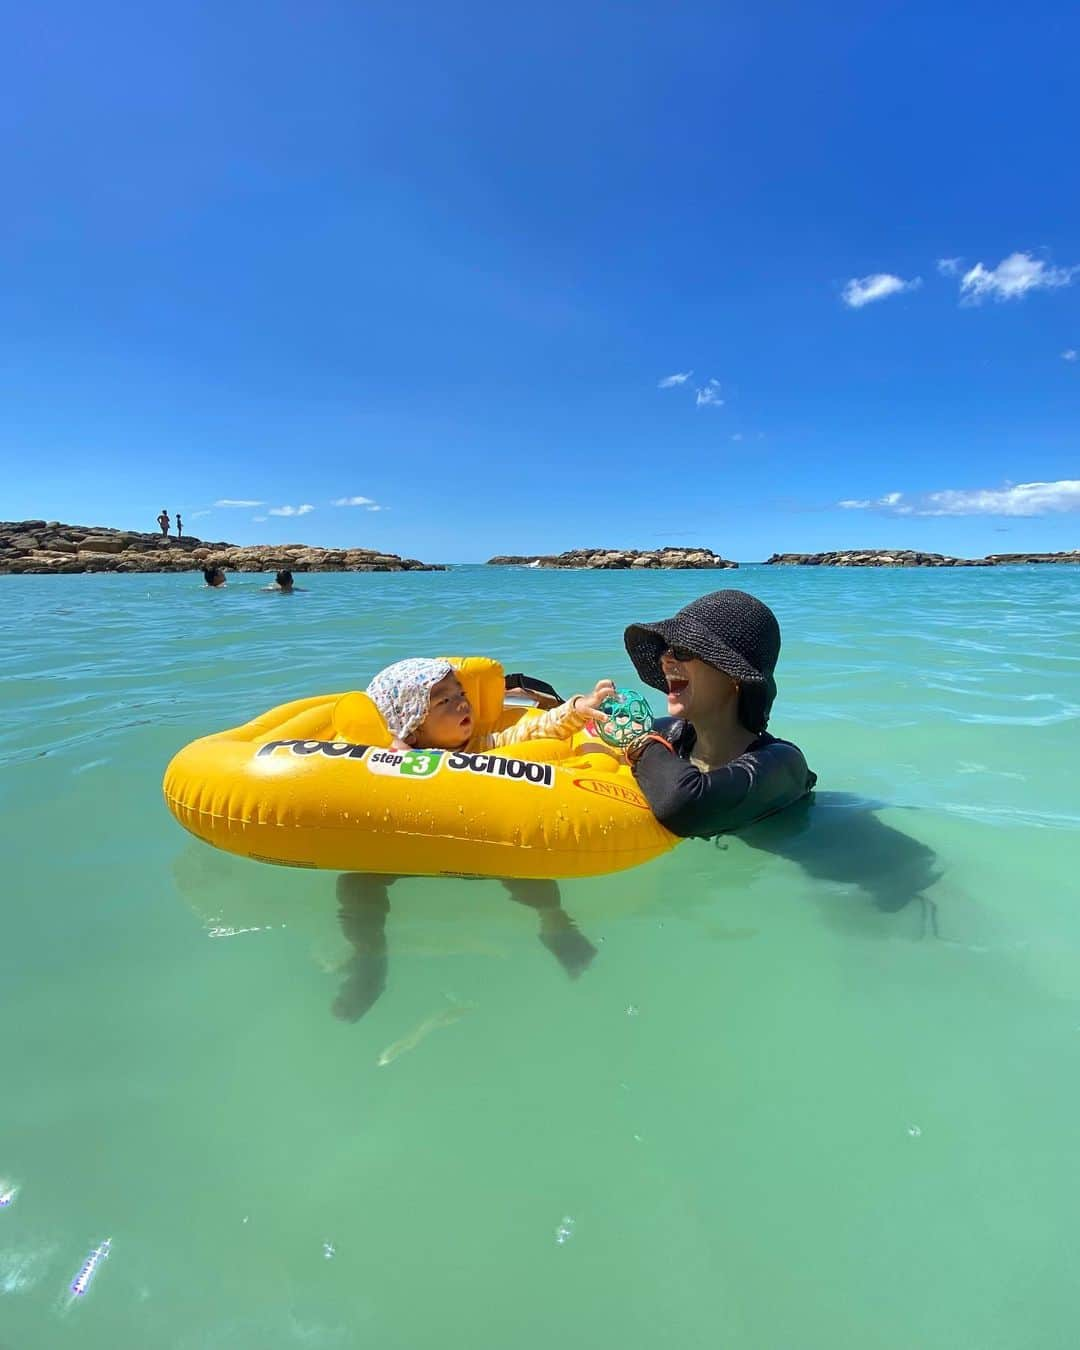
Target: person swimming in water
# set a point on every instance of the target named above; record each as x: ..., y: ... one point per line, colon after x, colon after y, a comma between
x: 711, y: 767
x: 214, y: 577
x: 283, y: 584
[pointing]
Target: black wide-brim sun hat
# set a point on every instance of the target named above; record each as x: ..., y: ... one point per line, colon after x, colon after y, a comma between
x: 730, y: 630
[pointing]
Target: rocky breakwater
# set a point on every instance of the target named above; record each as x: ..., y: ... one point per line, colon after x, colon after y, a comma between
x: 901, y: 557
x: 1011, y: 559
x: 905, y: 557
x: 45, y: 547
x: 617, y: 559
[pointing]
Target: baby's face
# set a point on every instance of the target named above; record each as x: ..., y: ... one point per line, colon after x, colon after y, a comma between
x: 449, y: 723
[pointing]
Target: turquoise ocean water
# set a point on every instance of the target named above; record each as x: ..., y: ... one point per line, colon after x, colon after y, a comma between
x: 818, y: 1088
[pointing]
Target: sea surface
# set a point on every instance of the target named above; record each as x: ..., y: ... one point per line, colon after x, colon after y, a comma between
x: 813, y: 1088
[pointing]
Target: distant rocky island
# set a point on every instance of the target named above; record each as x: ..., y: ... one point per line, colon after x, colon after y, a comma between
x: 902, y: 557
x: 44, y: 547
x: 616, y: 559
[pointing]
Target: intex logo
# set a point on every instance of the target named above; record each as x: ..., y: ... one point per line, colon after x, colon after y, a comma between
x: 613, y: 791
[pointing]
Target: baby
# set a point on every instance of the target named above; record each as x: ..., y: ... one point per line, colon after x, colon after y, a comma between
x: 425, y: 707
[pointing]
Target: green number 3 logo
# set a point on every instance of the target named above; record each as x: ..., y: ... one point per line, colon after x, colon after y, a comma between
x: 418, y: 765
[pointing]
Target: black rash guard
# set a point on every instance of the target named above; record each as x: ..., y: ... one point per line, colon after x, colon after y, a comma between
x: 769, y: 775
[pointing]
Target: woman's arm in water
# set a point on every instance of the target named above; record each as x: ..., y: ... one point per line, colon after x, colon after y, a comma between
x: 691, y: 803
x: 685, y: 800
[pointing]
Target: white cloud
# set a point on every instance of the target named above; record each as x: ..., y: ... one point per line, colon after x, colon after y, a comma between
x: 353, y: 501
x: 949, y: 267
x: 1069, y: 354
x: 673, y: 381
x: 1015, y: 499
x: 890, y: 499
x: 194, y: 515
x: 1013, y: 278
x: 861, y: 291
x: 1020, y: 499
x: 304, y: 510
x: 708, y: 396
x: 375, y: 507
x: 258, y: 519
x: 228, y: 501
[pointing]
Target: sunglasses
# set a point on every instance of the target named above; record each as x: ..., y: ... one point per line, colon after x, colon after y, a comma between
x: 680, y: 654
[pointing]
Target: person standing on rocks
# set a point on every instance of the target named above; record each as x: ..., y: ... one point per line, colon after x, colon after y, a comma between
x: 179, y: 525
x: 163, y: 521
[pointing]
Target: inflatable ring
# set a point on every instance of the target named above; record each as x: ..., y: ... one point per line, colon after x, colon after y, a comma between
x: 313, y: 783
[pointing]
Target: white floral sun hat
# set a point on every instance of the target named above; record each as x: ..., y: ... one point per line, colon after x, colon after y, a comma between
x: 402, y: 692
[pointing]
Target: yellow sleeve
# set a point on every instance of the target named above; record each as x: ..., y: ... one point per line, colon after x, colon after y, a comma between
x: 556, y: 724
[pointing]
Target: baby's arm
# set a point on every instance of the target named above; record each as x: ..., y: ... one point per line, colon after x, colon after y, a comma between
x: 557, y: 723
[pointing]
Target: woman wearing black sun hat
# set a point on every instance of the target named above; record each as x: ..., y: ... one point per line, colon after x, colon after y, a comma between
x: 711, y: 767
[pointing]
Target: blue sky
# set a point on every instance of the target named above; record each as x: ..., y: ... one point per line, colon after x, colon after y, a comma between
x: 444, y: 257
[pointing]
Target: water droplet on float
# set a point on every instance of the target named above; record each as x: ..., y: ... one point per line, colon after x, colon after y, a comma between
x: 329, y: 1251
x: 632, y: 1010
x: 914, y: 1131
x: 565, y: 1231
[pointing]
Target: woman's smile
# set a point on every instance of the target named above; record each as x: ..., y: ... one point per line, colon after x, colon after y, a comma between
x: 678, y: 685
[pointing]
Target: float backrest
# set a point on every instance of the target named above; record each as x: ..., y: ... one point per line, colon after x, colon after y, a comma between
x: 483, y: 682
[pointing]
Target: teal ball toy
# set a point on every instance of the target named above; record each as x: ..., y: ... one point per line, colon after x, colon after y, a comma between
x: 628, y: 716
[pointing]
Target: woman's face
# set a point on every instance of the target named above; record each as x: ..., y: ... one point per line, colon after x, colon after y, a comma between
x: 696, y: 690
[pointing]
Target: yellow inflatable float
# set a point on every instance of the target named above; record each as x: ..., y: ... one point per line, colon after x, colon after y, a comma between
x: 313, y: 783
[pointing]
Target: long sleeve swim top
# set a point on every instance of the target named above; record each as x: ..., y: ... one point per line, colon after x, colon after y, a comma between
x: 769, y: 775
x: 556, y: 724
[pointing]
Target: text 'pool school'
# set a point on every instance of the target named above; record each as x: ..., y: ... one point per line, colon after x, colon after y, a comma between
x: 420, y: 764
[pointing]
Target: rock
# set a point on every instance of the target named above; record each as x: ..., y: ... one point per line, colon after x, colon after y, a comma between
x: 31, y: 546
x: 617, y: 559
x: 911, y: 558
x: 102, y: 543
